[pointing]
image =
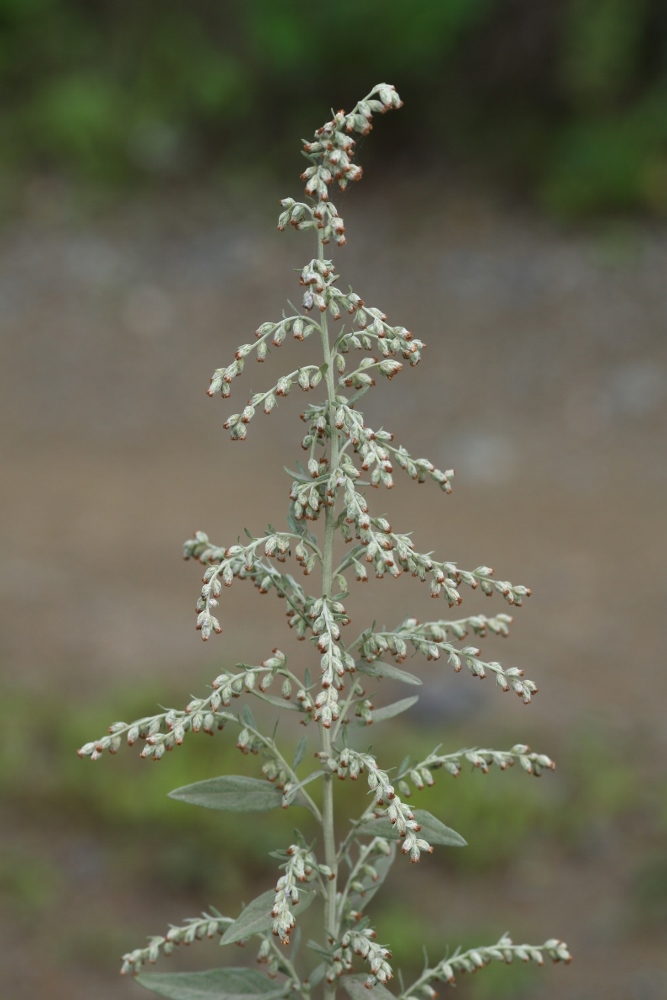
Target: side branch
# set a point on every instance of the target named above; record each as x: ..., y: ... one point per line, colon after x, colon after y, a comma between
x: 476, y: 958
x: 300, y: 328
x: 386, y: 802
x: 373, y: 645
x: 395, y: 553
x: 245, y: 562
x: 374, y: 448
x: 421, y: 773
x: 306, y: 378
x: 209, y: 925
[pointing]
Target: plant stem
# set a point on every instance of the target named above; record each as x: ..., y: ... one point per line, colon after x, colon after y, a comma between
x: 330, y: 922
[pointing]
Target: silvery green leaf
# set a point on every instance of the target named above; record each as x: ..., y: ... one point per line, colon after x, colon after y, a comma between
x: 294, y: 791
x: 379, y: 669
x: 389, y: 711
x: 319, y: 949
x: 404, y: 767
x: 296, y: 527
x: 233, y: 792
x: 431, y: 829
x: 301, y: 476
x: 355, y: 989
x: 248, y: 717
x: 317, y: 975
x: 214, y: 984
x: 382, y: 866
x: 278, y: 702
x: 256, y: 917
x: 300, y: 751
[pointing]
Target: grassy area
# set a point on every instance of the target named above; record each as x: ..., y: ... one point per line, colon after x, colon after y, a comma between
x: 569, y: 100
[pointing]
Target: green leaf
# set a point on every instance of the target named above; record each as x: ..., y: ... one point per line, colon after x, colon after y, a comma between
x: 214, y: 984
x: 431, y: 829
x: 278, y: 702
x: 233, y: 792
x: 300, y: 751
x: 248, y: 717
x: 256, y: 918
x: 294, y: 792
x: 403, y: 767
x: 296, y: 945
x: 355, y: 989
x: 301, y: 476
x: 296, y: 527
x: 319, y: 949
x: 382, y: 866
x: 317, y: 975
x: 379, y: 669
x: 389, y: 711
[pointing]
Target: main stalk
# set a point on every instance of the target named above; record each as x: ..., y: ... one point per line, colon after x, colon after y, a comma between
x: 330, y: 921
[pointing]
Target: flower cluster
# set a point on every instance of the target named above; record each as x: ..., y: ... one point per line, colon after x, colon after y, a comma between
x: 421, y: 773
x: 300, y: 328
x: 327, y: 618
x: 209, y: 925
x: 373, y: 645
x: 361, y: 942
x: 161, y: 732
x: 375, y: 448
x: 332, y: 150
x: 476, y: 958
x: 395, y: 553
x: 300, y: 866
x: 351, y: 763
x: 167, y: 729
x: 324, y: 217
x: 245, y: 562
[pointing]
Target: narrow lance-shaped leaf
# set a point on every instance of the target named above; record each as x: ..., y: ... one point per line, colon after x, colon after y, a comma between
x: 256, y: 917
x: 389, y: 711
x: 277, y: 702
x: 431, y: 829
x: 248, y: 717
x: 379, y: 669
x: 300, y: 752
x: 382, y: 866
x: 356, y: 989
x: 232, y: 792
x: 214, y: 984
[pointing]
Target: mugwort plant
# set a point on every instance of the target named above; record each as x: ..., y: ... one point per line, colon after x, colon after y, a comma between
x: 329, y: 500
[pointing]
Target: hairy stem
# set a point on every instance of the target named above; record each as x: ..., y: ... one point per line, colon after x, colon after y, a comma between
x: 330, y: 922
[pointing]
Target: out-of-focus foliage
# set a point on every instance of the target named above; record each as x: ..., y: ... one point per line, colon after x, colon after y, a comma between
x: 568, y: 100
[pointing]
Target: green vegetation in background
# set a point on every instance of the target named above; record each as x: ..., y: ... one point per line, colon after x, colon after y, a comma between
x: 594, y: 791
x: 567, y: 100
x: 592, y: 788
x: 505, y: 982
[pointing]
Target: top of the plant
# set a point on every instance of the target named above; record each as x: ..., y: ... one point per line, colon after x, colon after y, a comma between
x: 345, y: 456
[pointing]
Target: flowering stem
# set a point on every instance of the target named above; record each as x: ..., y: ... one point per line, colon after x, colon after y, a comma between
x: 330, y: 922
x: 364, y: 853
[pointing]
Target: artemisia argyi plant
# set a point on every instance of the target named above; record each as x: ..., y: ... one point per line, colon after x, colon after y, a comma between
x: 344, y: 457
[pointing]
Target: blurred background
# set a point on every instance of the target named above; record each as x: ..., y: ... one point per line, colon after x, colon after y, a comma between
x: 513, y: 216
